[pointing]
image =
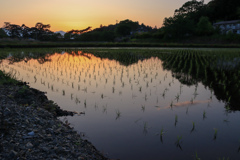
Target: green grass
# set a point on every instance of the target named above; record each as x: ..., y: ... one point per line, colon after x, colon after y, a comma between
x: 7, y: 78
x: 40, y: 44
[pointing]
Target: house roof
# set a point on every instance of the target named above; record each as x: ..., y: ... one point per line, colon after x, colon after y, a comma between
x: 227, y: 22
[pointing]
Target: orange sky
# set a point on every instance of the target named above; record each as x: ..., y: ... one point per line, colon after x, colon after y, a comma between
x: 77, y: 14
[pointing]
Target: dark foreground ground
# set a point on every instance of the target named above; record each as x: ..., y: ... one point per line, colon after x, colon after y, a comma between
x: 29, y: 128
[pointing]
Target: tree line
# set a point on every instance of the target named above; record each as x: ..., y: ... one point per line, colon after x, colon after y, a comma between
x: 194, y: 18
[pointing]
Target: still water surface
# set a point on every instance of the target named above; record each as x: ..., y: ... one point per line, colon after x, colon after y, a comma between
x: 135, y: 111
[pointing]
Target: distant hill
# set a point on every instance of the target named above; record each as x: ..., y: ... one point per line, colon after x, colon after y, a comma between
x: 61, y: 32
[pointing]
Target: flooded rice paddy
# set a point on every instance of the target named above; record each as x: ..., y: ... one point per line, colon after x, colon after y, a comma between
x: 134, y: 104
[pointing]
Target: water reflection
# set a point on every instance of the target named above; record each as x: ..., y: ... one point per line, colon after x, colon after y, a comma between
x: 125, y: 99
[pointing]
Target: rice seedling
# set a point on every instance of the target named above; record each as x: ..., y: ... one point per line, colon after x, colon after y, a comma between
x: 52, y: 88
x: 223, y: 158
x: 215, y: 133
x: 196, y: 156
x: 239, y: 148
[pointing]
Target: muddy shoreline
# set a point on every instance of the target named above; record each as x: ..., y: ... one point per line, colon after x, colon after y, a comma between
x: 29, y: 128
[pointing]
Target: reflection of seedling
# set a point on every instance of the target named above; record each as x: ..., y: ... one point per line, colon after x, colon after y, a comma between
x: 145, y: 127
x: 95, y: 106
x: 191, y: 100
x: 226, y: 120
x: 193, y: 127
x: 178, y: 142
x: 140, y: 89
x: 85, y: 103
x: 118, y: 113
x: 163, y: 95
x: 161, y: 135
x: 85, y: 89
x: 195, y: 94
x: 102, y: 96
x: 171, y: 105
x: 211, y: 97
x: 145, y: 97
x: 204, y: 114
x: 104, y: 109
x: 77, y: 100
x: 176, y: 120
x: 177, y: 97
x: 143, y: 108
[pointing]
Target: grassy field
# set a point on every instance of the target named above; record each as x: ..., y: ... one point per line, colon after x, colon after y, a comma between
x: 39, y: 44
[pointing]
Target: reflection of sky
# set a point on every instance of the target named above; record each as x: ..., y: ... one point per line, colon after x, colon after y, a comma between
x: 129, y: 104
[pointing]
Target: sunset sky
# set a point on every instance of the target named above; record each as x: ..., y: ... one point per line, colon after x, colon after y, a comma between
x: 78, y: 14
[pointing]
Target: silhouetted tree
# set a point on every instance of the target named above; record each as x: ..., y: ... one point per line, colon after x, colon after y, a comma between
x: 15, y: 30
x: 2, y: 33
x: 80, y: 31
x: 224, y: 10
x: 204, y: 27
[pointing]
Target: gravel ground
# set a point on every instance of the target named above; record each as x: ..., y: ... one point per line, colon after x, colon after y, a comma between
x: 29, y: 128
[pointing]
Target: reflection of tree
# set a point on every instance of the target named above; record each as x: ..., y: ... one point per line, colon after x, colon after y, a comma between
x: 219, y: 73
x: 125, y: 58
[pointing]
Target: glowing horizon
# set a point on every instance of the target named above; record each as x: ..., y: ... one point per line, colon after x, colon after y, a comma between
x: 73, y: 14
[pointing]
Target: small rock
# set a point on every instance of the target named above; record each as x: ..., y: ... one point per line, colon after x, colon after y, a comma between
x: 31, y: 133
x: 13, y: 153
x: 29, y: 145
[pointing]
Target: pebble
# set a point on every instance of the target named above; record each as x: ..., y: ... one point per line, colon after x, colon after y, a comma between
x: 31, y: 133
